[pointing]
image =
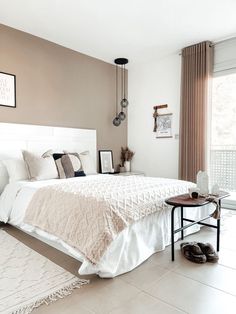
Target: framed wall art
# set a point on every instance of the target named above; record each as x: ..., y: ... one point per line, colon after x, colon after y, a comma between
x: 106, y: 161
x: 7, y: 90
x: 164, y: 125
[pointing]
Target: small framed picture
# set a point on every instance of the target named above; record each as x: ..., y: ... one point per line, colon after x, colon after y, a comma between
x: 106, y: 161
x: 7, y: 90
x: 164, y: 125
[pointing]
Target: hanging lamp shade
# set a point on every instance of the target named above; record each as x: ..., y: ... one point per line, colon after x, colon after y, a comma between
x: 116, y: 121
x: 120, y: 66
x: 122, y: 116
x: 124, y: 103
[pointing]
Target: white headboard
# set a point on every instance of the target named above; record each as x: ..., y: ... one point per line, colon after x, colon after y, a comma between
x: 16, y: 137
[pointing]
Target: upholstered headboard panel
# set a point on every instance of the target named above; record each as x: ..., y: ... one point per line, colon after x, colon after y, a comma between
x: 16, y: 137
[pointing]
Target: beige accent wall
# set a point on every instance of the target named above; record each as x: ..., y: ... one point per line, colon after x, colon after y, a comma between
x: 57, y: 86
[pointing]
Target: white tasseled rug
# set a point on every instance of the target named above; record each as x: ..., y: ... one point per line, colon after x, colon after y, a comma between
x: 28, y: 279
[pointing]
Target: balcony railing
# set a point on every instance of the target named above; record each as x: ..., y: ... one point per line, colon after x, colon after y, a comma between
x: 223, y: 167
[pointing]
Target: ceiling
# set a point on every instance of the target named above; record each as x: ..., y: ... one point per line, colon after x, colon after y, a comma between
x: 140, y: 30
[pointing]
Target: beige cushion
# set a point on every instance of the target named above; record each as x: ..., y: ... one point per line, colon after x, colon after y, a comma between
x: 87, y: 162
x: 40, y: 168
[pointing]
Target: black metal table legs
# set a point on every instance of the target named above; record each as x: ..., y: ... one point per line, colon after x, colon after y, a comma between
x: 173, y: 233
x: 192, y: 222
x: 182, y: 222
x: 218, y: 230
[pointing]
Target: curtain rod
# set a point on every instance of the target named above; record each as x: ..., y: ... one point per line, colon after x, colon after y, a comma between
x: 215, y: 43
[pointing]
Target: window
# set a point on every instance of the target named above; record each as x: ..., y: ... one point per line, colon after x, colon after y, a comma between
x: 223, y: 132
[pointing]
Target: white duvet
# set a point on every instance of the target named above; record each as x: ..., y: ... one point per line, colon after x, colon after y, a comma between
x: 131, y: 247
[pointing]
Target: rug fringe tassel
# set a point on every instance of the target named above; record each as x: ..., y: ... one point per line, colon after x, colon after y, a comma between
x: 59, y: 294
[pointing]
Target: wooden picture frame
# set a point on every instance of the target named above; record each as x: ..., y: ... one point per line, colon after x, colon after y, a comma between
x: 106, y: 161
x: 7, y: 90
x: 164, y: 126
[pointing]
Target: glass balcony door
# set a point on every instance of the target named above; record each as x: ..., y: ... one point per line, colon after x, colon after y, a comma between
x: 223, y: 135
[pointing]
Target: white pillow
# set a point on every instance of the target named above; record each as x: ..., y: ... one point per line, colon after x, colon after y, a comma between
x: 16, y: 169
x: 40, y: 168
x: 87, y: 163
x: 4, y: 178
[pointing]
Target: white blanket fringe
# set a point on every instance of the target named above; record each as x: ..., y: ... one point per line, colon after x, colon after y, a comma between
x: 59, y: 294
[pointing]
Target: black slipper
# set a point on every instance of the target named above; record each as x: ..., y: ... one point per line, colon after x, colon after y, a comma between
x: 209, y: 251
x: 193, y: 252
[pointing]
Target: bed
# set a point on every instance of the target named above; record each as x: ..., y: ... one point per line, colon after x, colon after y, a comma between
x: 136, y: 214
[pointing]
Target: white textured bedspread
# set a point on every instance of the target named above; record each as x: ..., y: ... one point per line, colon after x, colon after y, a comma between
x: 88, y: 213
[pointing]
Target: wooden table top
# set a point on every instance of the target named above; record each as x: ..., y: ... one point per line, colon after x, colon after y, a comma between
x: 186, y: 201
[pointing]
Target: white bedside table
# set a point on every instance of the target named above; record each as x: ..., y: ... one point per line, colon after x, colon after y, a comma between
x: 131, y: 173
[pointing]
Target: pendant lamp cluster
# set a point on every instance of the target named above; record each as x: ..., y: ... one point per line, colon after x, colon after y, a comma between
x: 120, y: 67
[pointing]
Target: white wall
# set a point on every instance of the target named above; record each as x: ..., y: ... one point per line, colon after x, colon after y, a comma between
x: 151, y: 84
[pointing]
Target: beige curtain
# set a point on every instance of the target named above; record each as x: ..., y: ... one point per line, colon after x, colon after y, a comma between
x: 197, y: 61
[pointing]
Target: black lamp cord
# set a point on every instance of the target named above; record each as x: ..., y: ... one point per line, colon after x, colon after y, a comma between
x: 124, y: 81
x: 116, y: 90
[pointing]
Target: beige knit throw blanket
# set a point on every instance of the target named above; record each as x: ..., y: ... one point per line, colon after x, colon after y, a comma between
x: 88, y: 213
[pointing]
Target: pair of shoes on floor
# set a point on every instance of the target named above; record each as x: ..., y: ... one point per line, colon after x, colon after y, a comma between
x: 198, y: 252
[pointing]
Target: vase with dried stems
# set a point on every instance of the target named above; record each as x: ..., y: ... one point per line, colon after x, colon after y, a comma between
x: 126, y: 156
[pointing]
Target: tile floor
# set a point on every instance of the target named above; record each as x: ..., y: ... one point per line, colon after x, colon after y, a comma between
x: 158, y: 285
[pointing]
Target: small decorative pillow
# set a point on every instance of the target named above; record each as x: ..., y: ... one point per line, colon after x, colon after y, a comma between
x: 40, y: 168
x: 68, y: 165
x: 16, y: 169
x: 87, y: 162
x: 74, y: 157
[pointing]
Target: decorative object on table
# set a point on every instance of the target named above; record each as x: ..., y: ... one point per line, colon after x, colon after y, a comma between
x: 126, y: 156
x: 122, y: 169
x: 120, y: 67
x: 106, y: 161
x: 215, y: 190
x: 127, y: 166
x: 7, y: 90
x: 215, y: 200
x: 194, y: 192
x: 203, y: 182
x: 30, y: 279
x: 164, y: 126
x: 155, y: 114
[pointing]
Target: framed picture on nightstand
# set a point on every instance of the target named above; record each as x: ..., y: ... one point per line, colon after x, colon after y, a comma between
x: 106, y: 161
